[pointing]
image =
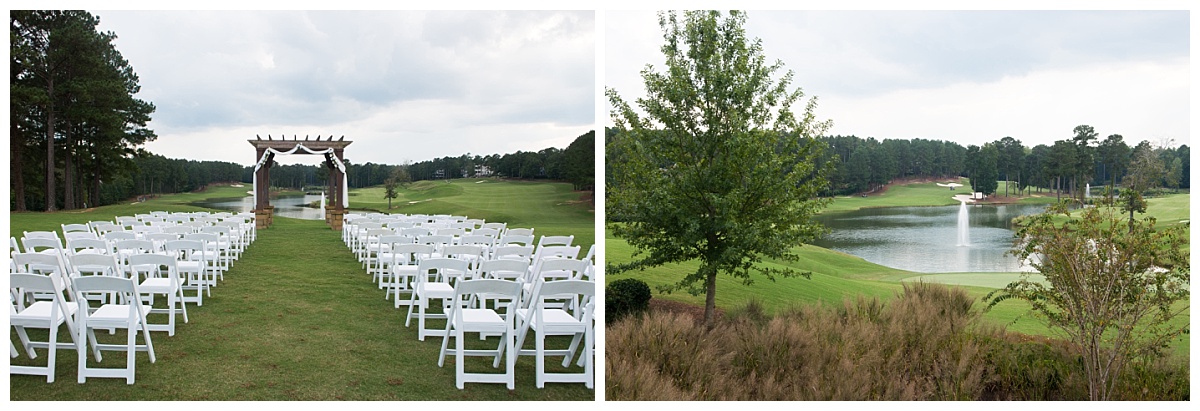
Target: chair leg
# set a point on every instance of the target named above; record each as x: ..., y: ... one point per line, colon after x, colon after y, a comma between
x: 539, y: 341
x: 460, y: 369
x: 52, y: 353
x: 131, y: 349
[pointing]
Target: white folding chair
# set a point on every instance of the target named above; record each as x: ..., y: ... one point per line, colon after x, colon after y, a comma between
x: 544, y: 321
x: 434, y: 282
x: 462, y: 319
x: 192, y: 265
x: 130, y: 316
x: 405, y: 259
x: 511, y: 270
x: 161, y: 277
x: 49, y: 315
x: 216, y: 264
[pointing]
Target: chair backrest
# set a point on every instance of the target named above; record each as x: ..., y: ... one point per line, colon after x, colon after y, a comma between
x: 396, y: 239
x: 494, y: 226
x: 562, y: 289
x: 519, y: 231
x: 523, y: 252
x: 129, y: 247
x: 490, y: 286
x: 75, y: 228
x: 40, y: 263
x: 179, y: 229
x: 160, y: 239
x: 94, y: 264
x: 437, y: 241
x: 556, y: 251
x: 185, y: 250
x: 75, y: 235
x: 415, y: 231
x: 37, y: 283
x: 451, y: 231
x: 103, y: 227
x: 410, y: 253
x: 559, y: 269
x: 471, y: 253
x: 486, y: 232
x: 480, y: 240
x: 116, y: 236
x: 504, y: 269
x: 89, y: 246
x: 41, y: 234
x: 516, y: 239
x: 444, y: 268
x: 42, y: 245
x: 550, y: 240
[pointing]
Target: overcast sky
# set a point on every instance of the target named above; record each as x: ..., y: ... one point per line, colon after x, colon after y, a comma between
x: 964, y: 76
x: 402, y: 85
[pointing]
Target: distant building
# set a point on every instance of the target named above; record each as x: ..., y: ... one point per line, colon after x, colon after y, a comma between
x: 440, y: 173
x: 483, y: 171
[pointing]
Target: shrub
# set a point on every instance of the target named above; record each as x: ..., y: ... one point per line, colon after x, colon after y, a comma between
x: 624, y: 297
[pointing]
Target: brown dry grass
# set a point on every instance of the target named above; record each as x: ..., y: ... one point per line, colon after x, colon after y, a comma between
x: 925, y: 344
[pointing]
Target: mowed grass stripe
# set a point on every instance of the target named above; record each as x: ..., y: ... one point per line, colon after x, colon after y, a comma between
x: 297, y: 318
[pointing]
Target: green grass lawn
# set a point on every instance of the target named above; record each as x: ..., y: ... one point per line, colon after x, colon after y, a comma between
x: 837, y: 276
x: 297, y: 318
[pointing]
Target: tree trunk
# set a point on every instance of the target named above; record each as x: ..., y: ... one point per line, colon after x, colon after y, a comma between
x: 51, y: 196
x: 69, y: 202
x: 16, y: 149
x: 710, y: 297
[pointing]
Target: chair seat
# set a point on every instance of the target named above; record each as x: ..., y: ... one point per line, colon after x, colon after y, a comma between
x: 114, y: 315
x: 554, y: 321
x: 38, y: 314
x: 156, y: 286
x: 436, y: 290
x: 480, y: 319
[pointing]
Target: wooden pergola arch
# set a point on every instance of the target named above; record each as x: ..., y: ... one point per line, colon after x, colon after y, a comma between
x: 265, y: 151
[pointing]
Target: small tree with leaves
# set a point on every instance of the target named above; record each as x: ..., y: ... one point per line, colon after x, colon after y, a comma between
x: 1112, y: 292
x: 720, y: 169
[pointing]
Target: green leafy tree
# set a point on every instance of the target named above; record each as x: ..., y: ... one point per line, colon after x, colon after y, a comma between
x: 1011, y: 154
x: 981, y: 167
x: 1112, y: 293
x: 399, y: 176
x: 720, y: 169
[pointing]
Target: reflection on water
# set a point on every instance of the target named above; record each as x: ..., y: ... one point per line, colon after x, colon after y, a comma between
x: 923, y: 239
x: 289, y: 206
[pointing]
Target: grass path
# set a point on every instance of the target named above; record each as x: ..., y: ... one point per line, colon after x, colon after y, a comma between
x: 297, y: 318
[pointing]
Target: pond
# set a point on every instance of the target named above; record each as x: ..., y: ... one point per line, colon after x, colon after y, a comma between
x: 925, y: 239
x: 294, y: 206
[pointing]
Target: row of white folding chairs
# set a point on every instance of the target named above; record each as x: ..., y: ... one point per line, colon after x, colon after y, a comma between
x: 229, y: 245
x: 65, y: 301
x: 525, y: 310
x: 212, y: 261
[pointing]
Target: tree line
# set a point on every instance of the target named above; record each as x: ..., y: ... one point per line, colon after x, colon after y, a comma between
x: 574, y: 164
x: 1067, y: 167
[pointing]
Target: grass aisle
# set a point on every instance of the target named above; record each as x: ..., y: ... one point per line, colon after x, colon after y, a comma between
x: 297, y: 318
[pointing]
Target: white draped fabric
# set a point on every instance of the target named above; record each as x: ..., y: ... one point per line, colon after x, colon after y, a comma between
x: 336, y: 161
